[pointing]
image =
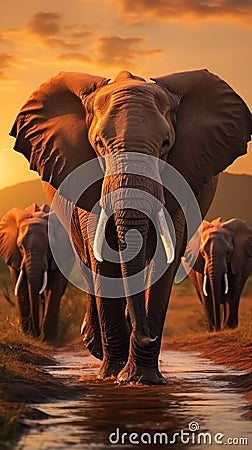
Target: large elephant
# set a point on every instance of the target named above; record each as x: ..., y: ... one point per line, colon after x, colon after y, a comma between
x: 37, y: 281
x: 194, y: 122
x: 221, y: 269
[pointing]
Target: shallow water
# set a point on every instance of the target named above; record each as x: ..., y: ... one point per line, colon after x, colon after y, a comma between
x: 196, y: 400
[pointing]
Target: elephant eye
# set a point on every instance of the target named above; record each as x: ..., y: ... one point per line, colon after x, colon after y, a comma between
x: 99, y: 143
x: 165, y: 142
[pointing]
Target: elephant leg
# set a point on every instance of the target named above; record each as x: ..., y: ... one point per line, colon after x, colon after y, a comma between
x: 105, y: 326
x: 90, y: 328
x: 23, y: 303
x: 226, y: 312
x: 235, y: 289
x: 233, y: 311
x: 113, y: 329
x: 55, y: 289
x: 115, y: 336
x: 143, y: 363
x: 232, y: 317
x: 198, y: 278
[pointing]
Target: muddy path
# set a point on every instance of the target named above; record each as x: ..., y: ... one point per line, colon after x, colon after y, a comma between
x: 198, y: 408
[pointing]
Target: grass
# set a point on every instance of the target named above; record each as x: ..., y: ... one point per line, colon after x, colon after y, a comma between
x: 72, y: 310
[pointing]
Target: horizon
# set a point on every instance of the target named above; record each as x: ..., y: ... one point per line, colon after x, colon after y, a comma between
x: 37, y: 178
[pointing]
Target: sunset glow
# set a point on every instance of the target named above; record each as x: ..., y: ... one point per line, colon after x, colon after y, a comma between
x: 39, y: 39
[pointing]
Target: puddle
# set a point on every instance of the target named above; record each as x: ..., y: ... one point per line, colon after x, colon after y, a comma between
x: 197, y: 404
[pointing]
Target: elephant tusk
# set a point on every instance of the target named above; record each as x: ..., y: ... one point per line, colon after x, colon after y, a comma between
x: 44, y: 282
x: 165, y: 236
x: 205, y: 285
x: 100, y: 235
x: 19, y: 281
x: 226, y: 283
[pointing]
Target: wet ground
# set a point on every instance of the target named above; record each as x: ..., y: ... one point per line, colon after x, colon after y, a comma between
x: 197, y: 409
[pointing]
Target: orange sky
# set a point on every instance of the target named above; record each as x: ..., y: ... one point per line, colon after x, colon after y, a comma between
x: 40, y: 38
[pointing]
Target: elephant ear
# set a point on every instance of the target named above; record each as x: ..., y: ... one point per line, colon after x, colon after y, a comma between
x: 51, y: 129
x: 45, y: 208
x: 242, y: 240
x: 218, y: 222
x: 9, y: 227
x: 213, y: 125
x: 192, y: 257
x: 33, y: 208
x: 59, y: 239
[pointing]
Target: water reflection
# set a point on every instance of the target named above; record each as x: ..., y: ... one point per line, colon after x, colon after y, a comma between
x: 126, y: 417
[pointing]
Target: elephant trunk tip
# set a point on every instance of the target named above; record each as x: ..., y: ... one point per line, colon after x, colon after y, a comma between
x: 146, y: 342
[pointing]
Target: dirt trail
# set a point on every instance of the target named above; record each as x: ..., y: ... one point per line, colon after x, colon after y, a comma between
x: 198, y: 393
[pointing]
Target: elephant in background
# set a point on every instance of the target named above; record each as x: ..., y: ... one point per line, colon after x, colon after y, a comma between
x: 38, y: 284
x: 193, y: 122
x: 221, y: 269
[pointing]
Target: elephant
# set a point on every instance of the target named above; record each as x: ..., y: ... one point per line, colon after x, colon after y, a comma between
x: 38, y: 283
x: 103, y: 150
x: 221, y: 269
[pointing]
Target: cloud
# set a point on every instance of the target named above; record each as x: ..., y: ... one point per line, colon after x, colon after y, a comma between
x: 6, y: 61
x: 48, y: 30
x: 117, y: 51
x: 172, y: 9
x: 75, y: 57
x: 46, y: 27
x: 80, y: 30
x: 45, y: 24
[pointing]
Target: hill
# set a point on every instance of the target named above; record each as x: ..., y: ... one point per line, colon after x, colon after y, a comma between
x: 232, y: 198
x: 22, y: 194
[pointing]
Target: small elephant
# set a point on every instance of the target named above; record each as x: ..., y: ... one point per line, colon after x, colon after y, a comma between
x: 221, y: 269
x: 117, y: 153
x: 38, y: 283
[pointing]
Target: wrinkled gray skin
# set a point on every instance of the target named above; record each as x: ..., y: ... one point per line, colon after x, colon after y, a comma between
x: 38, y: 284
x: 192, y: 120
x: 221, y: 269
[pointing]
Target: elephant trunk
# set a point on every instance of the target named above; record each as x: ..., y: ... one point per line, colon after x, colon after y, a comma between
x: 36, y: 272
x: 131, y: 266
x: 215, y: 279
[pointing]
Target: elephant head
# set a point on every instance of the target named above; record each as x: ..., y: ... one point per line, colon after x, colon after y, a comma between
x: 24, y: 247
x: 224, y: 251
x: 192, y: 120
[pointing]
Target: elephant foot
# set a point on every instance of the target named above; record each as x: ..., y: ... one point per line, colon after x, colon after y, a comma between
x: 135, y: 373
x: 92, y: 340
x: 110, y: 369
x: 93, y: 345
x: 231, y: 323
